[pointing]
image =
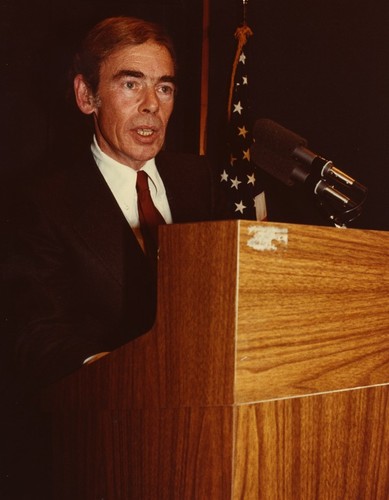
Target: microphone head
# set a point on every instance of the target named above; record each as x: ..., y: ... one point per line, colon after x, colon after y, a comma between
x: 272, y: 150
x: 271, y: 135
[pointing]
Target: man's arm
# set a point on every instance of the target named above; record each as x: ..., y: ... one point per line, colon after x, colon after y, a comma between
x: 53, y: 334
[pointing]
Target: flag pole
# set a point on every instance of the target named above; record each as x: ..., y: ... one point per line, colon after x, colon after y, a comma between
x: 241, y: 34
x: 245, y: 2
x: 204, y: 79
x: 246, y: 194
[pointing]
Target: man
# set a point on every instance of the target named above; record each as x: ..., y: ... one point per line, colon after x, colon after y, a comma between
x: 84, y: 278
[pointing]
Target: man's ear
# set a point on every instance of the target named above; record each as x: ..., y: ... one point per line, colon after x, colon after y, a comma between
x: 84, y: 96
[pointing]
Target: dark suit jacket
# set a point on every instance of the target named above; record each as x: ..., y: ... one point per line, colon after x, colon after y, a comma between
x: 80, y: 281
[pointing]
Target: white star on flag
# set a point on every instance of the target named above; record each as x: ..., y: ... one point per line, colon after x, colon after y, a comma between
x: 243, y: 131
x: 251, y: 179
x: 240, y: 207
x: 246, y: 154
x: 235, y: 183
x: 224, y: 176
x: 238, y: 108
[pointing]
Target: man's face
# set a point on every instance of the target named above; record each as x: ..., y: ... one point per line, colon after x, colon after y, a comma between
x: 134, y: 102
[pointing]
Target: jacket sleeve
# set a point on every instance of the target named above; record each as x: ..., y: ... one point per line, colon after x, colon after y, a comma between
x: 52, y: 335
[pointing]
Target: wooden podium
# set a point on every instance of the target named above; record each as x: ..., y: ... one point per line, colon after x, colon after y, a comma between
x: 265, y: 376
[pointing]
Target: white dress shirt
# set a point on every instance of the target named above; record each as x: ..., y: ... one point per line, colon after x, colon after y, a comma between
x: 121, y: 180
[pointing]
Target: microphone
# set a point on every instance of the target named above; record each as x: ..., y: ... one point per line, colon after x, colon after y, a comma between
x: 285, y: 156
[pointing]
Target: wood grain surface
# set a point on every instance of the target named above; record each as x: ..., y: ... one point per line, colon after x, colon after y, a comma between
x: 313, y: 314
x: 329, y: 446
x: 144, y: 454
x: 265, y: 376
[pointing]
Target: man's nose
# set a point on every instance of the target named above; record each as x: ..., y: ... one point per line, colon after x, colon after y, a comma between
x: 150, y: 101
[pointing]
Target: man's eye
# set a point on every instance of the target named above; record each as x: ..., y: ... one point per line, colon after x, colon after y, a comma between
x: 130, y: 85
x: 166, y: 90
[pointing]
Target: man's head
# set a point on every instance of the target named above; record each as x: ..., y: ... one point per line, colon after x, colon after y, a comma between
x: 125, y: 78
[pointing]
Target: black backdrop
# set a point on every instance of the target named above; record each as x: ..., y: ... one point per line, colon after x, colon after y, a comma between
x: 319, y: 68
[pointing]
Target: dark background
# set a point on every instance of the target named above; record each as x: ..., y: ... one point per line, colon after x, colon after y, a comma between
x: 318, y: 68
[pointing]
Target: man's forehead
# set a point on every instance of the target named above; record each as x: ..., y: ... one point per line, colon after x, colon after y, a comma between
x: 145, y: 57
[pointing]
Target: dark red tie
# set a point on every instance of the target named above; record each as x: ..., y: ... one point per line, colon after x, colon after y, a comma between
x: 149, y: 217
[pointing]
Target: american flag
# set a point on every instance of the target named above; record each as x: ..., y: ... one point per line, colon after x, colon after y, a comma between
x: 238, y: 177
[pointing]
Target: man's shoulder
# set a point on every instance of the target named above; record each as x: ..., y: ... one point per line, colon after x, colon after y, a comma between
x: 61, y: 190
x: 63, y: 177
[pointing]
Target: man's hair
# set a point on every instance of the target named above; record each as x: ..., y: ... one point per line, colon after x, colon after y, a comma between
x: 110, y: 35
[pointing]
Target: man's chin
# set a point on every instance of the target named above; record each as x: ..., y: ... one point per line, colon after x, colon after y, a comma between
x: 146, y: 152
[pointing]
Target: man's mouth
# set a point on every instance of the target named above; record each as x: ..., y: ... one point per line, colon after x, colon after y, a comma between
x: 145, y: 132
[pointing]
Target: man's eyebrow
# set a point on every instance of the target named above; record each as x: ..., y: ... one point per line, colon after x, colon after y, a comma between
x: 139, y: 74
x: 128, y: 72
x: 168, y: 78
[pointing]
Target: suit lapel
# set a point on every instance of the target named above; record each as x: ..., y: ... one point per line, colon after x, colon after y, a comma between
x: 99, y: 221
